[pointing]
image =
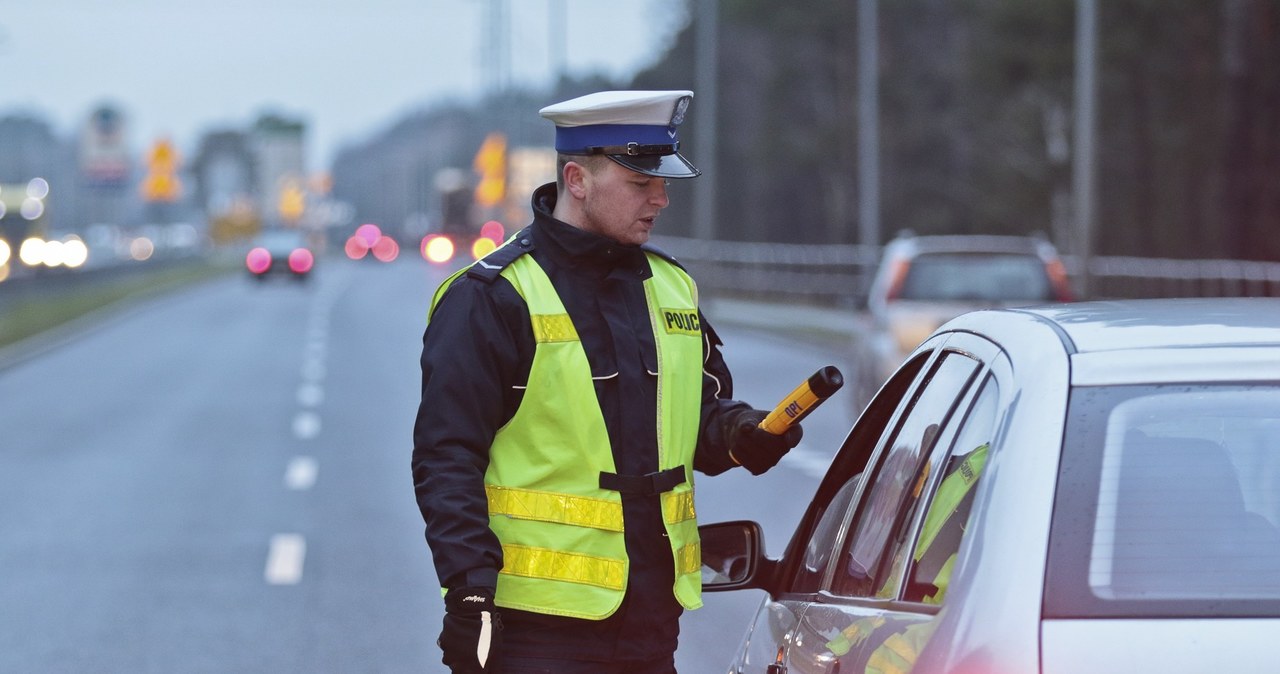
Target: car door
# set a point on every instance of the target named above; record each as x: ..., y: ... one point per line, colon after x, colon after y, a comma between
x: 869, y: 601
x: 819, y: 533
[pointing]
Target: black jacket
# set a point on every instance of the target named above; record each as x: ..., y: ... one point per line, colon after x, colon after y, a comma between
x: 477, y: 352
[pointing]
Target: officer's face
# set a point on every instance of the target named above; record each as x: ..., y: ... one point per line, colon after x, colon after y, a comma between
x: 620, y: 203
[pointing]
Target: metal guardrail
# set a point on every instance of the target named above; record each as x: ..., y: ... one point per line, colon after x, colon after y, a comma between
x: 840, y: 274
x: 836, y: 274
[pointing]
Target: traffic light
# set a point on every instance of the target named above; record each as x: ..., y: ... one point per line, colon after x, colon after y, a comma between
x: 161, y: 182
x: 491, y: 164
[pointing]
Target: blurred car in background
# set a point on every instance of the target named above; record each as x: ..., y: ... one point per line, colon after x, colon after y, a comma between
x: 280, y: 252
x: 924, y: 281
x: 1083, y: 487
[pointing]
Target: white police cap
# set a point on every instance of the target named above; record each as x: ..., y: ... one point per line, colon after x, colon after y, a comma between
x: 637, y: 129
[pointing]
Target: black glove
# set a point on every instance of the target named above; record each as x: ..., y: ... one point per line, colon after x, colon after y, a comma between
x: 472, y: 634
x: 754, y: 448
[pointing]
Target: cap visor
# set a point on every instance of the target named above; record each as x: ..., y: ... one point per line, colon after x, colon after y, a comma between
x: 662, y: 166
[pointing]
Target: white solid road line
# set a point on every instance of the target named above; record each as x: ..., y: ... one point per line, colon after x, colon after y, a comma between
x: 301, y: 473
x: 284, y: 560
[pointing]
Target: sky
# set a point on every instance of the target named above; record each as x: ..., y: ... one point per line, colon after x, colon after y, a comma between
x: 179, y: 68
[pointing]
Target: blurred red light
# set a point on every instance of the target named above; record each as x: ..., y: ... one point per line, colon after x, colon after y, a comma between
x: 258, y: 260
x: 370, y: 233
x: 356, y: 248
x: 301, y: 260
x: 386, y: 249
x: 437, y: 248
x: 493, y: 230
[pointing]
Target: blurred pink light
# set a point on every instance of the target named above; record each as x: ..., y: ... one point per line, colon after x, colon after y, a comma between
x: 493, y: 230
x: 258, y: 260
x: 370, y: 233
x: 386, y: 249
x: 356, y: 248
x: 301, y: 260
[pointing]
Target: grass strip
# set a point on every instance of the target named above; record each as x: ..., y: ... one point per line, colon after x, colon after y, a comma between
x: 29, y: 316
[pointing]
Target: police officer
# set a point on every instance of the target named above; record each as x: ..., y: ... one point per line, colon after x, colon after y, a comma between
x: 570, y: 386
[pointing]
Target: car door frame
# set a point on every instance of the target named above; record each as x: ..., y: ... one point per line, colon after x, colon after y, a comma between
x: 798, y: 646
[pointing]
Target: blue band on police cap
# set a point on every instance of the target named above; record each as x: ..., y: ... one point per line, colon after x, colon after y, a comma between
x: 577, y: 139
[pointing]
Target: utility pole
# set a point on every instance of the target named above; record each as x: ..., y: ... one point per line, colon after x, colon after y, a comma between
x: 705, y: 107
x: 868, y: 128
x: 1083, y: 167
x: 557, y: 38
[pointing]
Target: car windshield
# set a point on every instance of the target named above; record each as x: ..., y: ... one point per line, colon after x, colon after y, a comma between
x: 1183, y: 506
x: 983, y: 277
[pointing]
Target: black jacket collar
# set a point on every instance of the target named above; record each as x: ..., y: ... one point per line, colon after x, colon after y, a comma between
x: 579, y: 249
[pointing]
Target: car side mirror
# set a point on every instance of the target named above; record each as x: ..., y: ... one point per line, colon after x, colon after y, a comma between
x: 733, y: 556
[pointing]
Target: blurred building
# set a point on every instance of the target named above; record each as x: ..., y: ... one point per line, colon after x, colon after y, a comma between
x: 224, y: 172
x: 278, y: 147
x: 30, y: 150
x: 105, y: 168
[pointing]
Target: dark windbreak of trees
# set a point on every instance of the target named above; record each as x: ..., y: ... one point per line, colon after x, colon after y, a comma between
x: 976, y: 114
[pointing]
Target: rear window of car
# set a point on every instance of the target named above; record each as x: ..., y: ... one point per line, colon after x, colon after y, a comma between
x: 281, y: 241
x: 1168, y: 503
x: 980, y: 277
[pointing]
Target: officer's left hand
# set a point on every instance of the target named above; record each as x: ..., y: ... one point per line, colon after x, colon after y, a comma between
x: 756, y: 449
x: 472, y: 636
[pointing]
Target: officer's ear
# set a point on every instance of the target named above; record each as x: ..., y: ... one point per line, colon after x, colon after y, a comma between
x: 576, y: 179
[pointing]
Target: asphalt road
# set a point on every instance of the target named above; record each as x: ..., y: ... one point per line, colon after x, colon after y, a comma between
x: 218, y: 481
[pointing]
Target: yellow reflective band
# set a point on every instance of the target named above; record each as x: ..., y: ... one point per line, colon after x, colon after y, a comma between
x: 895, y: 656
x: 854, y: 635
x: 678, y: 507
x: 519, y: 560
x: 545, y: 506
x: 689, y: 559
x: 553, y: 328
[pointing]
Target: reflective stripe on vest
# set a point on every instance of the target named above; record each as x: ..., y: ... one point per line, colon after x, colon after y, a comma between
x: 564, y: 551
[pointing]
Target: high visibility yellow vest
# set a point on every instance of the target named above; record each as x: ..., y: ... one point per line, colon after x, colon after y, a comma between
x: 943, y: 513
x: 562, y: 533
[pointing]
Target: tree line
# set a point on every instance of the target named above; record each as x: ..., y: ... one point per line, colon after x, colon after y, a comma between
x: 975, y: 112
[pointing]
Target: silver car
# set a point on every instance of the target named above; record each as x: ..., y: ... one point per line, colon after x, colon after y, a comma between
x: 925, y: 281
x: 1089, y: 487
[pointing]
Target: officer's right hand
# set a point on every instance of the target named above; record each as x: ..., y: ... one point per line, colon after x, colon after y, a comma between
x: 756, y: 449
x: 472, y: 634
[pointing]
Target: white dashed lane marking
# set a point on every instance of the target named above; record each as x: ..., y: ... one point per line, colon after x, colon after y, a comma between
x: 285, y: 559
x: 310, y: 395
x: 306, y: 425
x: 301, y: 473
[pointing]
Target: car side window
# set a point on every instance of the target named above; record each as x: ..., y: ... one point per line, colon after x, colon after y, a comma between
x: 822, y: 542
x: 898, y: 479
x: 946, y: 519
x: 830, y: 508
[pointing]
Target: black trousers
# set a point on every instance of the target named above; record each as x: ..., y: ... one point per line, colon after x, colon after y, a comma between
x: 532, y: 665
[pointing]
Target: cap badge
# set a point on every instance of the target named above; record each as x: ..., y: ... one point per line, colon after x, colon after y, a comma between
x: 682, y: 106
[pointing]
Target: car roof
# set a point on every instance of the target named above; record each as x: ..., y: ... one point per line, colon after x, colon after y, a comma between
x: 1139, y: 341
x: 1165, y: 323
